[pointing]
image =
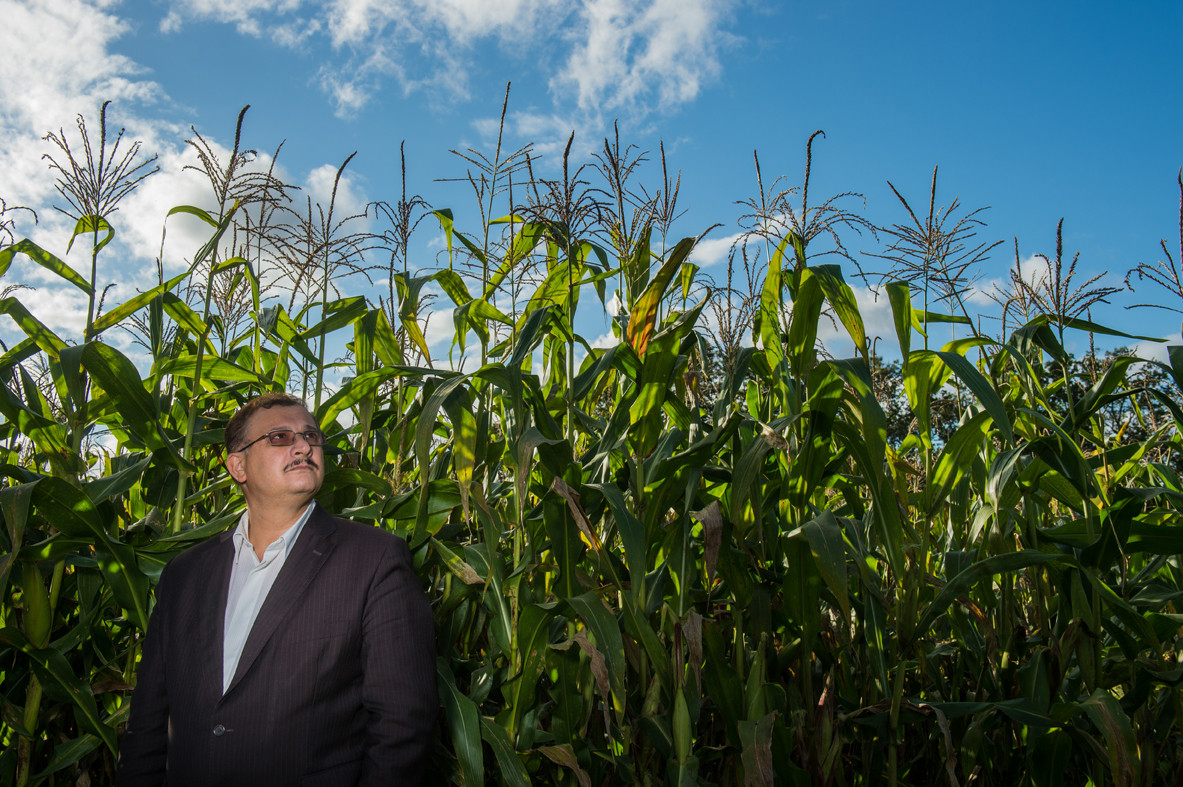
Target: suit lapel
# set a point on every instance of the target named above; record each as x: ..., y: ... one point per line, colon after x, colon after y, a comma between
x: 211, y: 623
x: 309, y: 553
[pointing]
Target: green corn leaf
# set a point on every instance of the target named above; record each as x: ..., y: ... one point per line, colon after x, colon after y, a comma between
x: 523, y: 243
x: 52, y: 668
x: 213, y: 368
x: 962, y: 450
x: 69, y: 753
x: 353, y: 391
x: 511, y: 771
x: 46, y: 339
x: 900, y: 297
x: 982, y: 389
x: 828, y: 547
x: 424, y: 435
x: 45, y: 260
x: 194, y: 211
x: 1125, y: 759
x: 842, y: 300
x: 463, y: 723
x: 74, y: 514
x: 133, y: 305
x: 118, y: 377
x: 801, y: 347
x: 983, y: 569
x: 185, y: 317
x: 642, y: 322
x: 337, y: 315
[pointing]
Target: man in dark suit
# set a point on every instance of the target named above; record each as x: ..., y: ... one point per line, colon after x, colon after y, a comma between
x: 296, y: 650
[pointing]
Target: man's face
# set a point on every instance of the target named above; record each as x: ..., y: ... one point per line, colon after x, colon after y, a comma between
x: 278, y: 475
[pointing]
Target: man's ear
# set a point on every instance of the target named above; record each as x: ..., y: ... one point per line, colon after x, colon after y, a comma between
x: 236, y: 464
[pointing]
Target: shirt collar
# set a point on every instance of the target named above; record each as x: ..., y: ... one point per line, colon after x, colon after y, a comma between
x: 287, y: 538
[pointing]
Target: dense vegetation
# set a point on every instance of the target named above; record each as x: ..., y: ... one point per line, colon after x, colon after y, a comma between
x: 709, y: 553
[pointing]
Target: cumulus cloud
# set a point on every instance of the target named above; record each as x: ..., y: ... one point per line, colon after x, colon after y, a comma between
x: 610, y: 56
x: 628, y: 54
x: 710, y: 251
x: 58, y: 61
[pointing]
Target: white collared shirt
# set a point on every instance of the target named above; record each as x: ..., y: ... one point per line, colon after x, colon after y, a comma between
x: 250, y: 582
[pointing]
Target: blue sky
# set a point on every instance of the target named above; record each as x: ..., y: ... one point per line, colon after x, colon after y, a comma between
x: 1040, y: 111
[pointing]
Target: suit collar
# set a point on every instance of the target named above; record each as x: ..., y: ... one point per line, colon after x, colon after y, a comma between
x: 211, y: 624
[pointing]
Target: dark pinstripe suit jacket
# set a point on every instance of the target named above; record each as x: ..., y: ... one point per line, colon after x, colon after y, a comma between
x: 336, y: 684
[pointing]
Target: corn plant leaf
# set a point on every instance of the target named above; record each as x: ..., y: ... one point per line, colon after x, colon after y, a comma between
x: 213, y: 367
x: 464, y: 437
x: 29, y: 416
x: 106, y: 487
x: 276, y: 322
x: 424, y: 435
x: 842, y: 300
x: 52, y: 668
x: 69, y: 753
x: 959, y: 453
x: 74, y: 514
x: 185, y: 317
x: 523, y: 243
x: 1099, y: 392
x: 463, y: 722
x: 663, y: 355
x: 454, y: 563
x: 689, y: 271
x: 45, y: 260
x: 828, y: 547
x: 476, y: 314
x: 191, y: 210
x: 386, y: 346
x: 337, y: 315
x: 46, y: 339
x: 899, y: 295
x: 983, y: 569
x: 642, y: 321
x: 533, y: 627
x: 353, y: 391
x: 1106, y: 714
x: 564, y: 755
x: 511, y: 771
x: 247, y: 271
x: 801, y: 347
x: 982, y: 389
x: 453, y: 285
x: 1089, y: 326
x: 133, y: 305
x: 756, y: 735
x: 557, y: 289
x: 926, y: 317
x: 15, y: 501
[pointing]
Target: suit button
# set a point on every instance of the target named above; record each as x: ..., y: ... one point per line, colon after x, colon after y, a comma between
x: 219, y: 731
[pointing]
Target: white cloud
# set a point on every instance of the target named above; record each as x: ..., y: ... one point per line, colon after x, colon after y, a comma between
x: 710, y: 251
x: 349, y: 200
x: 609, y: 56
x: 57, y: 63
x: 627, y: 55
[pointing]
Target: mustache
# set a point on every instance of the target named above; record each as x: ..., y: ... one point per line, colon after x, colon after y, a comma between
x: 303, y: 460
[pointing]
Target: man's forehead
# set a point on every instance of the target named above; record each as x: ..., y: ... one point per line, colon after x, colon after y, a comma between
x: 282, y: 415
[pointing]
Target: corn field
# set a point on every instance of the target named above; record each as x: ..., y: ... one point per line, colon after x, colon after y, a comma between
x: 710, y: 553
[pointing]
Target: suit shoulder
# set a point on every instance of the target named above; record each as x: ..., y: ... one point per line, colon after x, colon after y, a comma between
x: 197, y: 557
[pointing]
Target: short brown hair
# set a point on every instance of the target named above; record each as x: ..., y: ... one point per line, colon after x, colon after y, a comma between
x: 238, y: 423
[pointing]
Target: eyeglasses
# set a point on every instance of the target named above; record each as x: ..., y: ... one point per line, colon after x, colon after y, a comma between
x: 285, y: 437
